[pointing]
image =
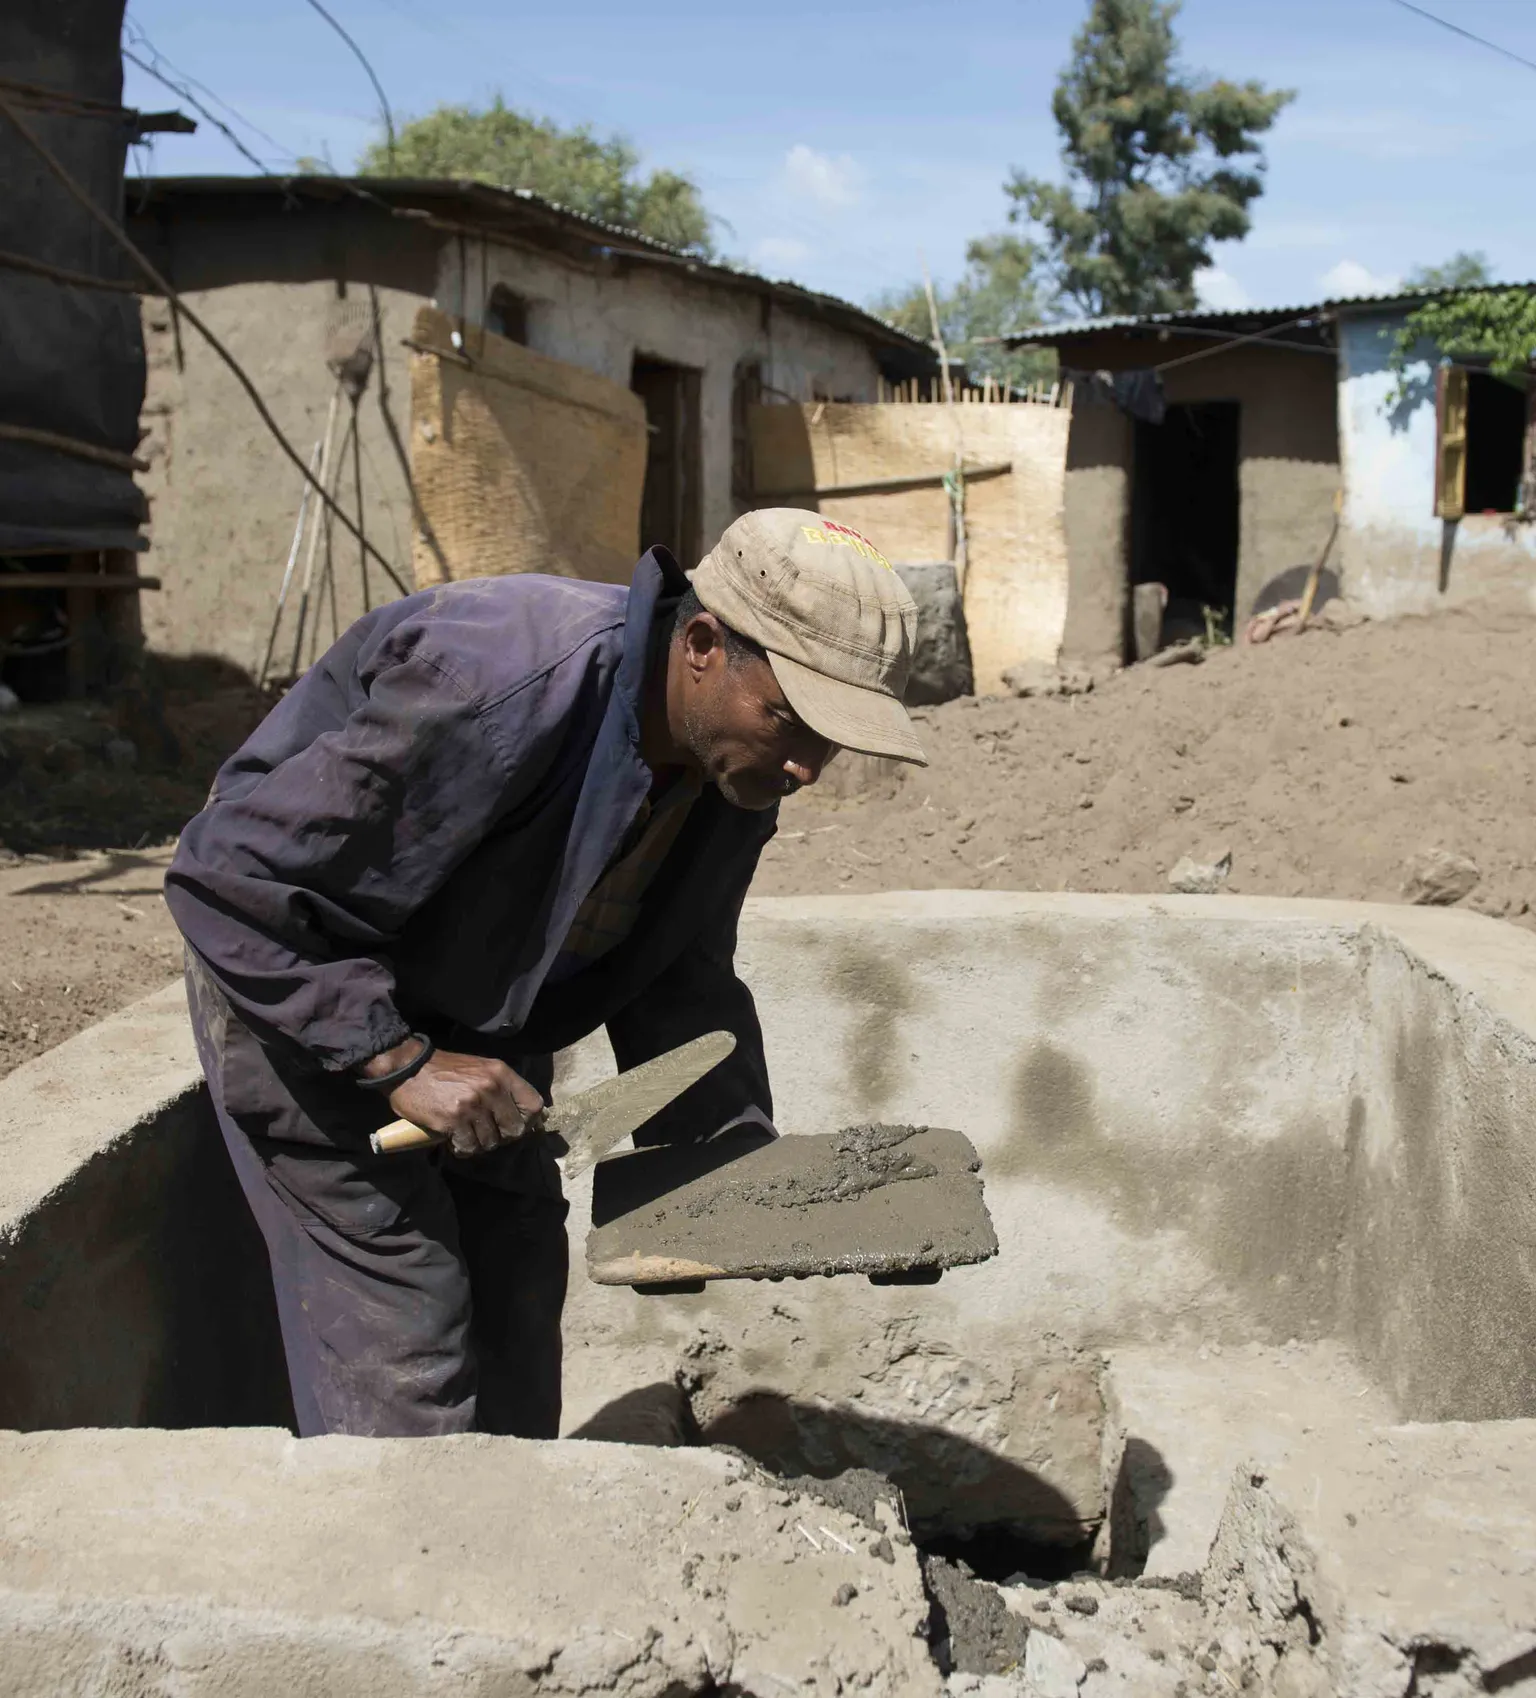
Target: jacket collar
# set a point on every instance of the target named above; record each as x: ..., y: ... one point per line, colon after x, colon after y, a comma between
x: 617, y: 780
x: 657, y: 578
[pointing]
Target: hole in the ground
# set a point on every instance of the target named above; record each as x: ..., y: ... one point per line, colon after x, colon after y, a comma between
x: 1001, y: 1553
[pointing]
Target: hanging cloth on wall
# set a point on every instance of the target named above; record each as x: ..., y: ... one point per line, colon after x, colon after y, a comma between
x: 1138, y: 394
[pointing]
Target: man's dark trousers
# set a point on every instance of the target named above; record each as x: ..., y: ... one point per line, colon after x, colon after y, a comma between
x: 417, y: 1295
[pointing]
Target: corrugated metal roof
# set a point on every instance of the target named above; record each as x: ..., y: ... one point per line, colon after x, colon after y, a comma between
x: 1245, y: 318
x: 493, y: 204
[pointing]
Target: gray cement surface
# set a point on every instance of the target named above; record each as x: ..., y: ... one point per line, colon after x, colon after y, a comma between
x: 133, y: 1284
x: 249, y: 1563
x: 1178, y: 1423
x: 1410, y: 1550
x: 1207, y: 1124
x: 867, y: 1200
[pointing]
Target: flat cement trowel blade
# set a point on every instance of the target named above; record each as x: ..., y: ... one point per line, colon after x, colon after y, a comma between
x: 592, y: 1122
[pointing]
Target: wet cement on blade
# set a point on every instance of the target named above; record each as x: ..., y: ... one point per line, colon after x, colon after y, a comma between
x: 868, y: 1199
x: 862, y: 1159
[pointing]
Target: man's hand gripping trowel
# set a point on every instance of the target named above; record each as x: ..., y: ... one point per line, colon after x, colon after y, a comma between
x: 592, y: 1122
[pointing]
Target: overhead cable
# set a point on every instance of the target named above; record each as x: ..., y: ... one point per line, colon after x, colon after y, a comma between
x: 378, y: 87
x: 1456, y: 29
x: 191, y: 99
x: 1237, y: 342
x: 163, y: 67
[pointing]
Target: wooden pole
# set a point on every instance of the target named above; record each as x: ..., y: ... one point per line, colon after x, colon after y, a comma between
x: 314, y: 535
x: 957, y: 477
x: 357, y: 484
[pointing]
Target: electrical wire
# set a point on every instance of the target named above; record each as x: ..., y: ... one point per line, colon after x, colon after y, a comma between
x: 1456, y: 29
x: 163, y: 66
x: 378, y: 87
x: 1236, y: 342
x: 191, y: 99
x: 165, y: 288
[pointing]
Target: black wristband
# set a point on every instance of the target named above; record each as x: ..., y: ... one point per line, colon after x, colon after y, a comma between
x: 388, y: 1081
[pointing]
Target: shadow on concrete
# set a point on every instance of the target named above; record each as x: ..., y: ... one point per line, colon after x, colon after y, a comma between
x: 656, y: 1414
x: 1449, y: 528
x: 1417, y: 391
x: 139, y: 1294
x: 959, y: 1496
x: 1141, y: 1485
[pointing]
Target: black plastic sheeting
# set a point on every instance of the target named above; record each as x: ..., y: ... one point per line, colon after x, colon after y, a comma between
x: 71, y: 359
x: 1137, y: 393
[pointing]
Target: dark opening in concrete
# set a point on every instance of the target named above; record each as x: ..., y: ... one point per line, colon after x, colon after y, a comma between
x: 1002, y: 1553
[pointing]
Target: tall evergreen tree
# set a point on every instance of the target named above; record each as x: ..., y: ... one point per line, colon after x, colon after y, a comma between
x: 1160, y: 164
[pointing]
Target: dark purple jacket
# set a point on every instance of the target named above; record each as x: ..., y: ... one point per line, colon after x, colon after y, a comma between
x: 403, y: 843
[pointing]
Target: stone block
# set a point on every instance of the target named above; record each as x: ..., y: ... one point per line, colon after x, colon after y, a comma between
x: 941, y: 666
x: 1404, y: 1557
x: 1178, y: 1422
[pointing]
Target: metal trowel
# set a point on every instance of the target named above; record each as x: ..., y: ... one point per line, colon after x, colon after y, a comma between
x: 592, y: 1122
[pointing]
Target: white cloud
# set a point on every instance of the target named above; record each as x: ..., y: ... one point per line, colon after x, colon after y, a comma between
x: 779, y: 251
x: 827, y: 179
x: 1220, y: 290
x: 1350, y: 277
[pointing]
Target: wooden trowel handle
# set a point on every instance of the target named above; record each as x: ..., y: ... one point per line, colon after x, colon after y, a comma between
x: 402, y: 1135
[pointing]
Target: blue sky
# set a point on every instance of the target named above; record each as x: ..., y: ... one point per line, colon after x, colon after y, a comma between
x: 842, y: 144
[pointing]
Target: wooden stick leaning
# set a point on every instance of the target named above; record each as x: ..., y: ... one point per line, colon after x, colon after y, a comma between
x: 1314, y: 577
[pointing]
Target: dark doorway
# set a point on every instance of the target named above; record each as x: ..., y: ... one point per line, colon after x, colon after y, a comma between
x: 1184, y: 514
x: 669, y: 506
x: 1495, y: 443
x: 746, y: 393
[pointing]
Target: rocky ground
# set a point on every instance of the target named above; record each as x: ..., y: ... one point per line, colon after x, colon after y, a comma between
x: 1330, y: 764
x: 1103, y: 1639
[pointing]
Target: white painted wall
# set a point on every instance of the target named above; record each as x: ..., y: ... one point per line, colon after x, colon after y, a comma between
x: 601, y: 321
x: 1396, y: 556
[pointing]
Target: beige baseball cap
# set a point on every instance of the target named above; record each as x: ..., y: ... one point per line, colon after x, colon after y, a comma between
x: 836, y: 620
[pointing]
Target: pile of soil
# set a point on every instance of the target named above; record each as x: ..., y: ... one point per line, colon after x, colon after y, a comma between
x: 1325, y: 763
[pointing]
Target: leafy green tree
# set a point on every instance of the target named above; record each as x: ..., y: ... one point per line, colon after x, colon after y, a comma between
x: 1160, y: 164
x: 580, y: 169
x: 1496, y: 325
x: 1461, y: 271
x: 999, y: 295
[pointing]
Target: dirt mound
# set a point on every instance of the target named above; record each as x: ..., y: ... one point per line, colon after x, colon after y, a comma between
x: 1328, y: 764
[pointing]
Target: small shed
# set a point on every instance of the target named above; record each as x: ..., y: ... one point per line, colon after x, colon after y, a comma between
x: 488, y: 312
x: 1209, y: 452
